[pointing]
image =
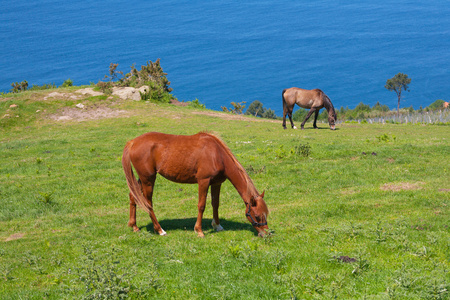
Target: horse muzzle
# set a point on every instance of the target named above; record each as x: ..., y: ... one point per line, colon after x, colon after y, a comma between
x: 332, y: 127
x: 263, y: 231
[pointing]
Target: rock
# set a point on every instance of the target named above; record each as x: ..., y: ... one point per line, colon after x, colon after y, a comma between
x: 13, y: 106
x: 80, y: 105
x: 129, y: 92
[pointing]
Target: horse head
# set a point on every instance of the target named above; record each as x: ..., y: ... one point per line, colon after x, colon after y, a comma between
x: 332, y: 119
x: 256, y: 213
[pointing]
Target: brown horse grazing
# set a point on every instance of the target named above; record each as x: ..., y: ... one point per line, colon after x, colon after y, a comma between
x: 201, y: 158
x: 313, y: 99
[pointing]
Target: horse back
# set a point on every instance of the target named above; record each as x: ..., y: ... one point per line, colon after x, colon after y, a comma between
x: 303, y: 98
x: 179, y: 158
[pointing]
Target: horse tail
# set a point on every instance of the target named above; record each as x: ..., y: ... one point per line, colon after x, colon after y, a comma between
x: 133, y: 185
x: 284, y: 100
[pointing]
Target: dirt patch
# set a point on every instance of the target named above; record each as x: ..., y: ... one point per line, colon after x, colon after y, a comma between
x: 348, y: 191
x: 444, y: 190
x: 178, y: 103
x: 89, y: 92
x: 402, y: 186
x: 78, y: 114
x: 57, y: 95
x: 15, y: 236
x: 233, y: 116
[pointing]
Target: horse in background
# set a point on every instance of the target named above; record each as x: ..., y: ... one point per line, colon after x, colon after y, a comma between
x: 315, y: 100
x: 202, y: 159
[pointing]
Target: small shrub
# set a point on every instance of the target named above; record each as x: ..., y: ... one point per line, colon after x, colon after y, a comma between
x: 269, y: 114
x: 45, y: 86
x: 196, y: 104
x: 303, y: 150
x: 19, y: 87
x: 67, y: 83
x: 155, y: 93
x: 256, y: 109
x: 238, y: 108
x: 46, y: 198
x: 105, y: 87
x: 385, y: 138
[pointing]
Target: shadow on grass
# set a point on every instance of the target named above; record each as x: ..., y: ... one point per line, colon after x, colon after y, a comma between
x: 319, y: 128
x: 188, y: 224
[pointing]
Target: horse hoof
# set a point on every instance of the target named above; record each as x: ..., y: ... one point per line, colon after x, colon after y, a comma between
x: 163, y: 232
x: 216, y: 227
x: 295, y: 127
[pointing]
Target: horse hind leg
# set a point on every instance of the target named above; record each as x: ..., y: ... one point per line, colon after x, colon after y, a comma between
x: 290, y: 119
x: 132, y: 221
x: 288, y: 110
x: 147, y: 190
x: 284, y: 117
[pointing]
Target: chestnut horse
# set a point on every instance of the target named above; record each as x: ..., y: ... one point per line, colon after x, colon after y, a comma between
x: 201, y: 158
x: 313, y: 99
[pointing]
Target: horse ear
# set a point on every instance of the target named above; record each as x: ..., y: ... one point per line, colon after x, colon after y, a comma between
x: 262, y: 195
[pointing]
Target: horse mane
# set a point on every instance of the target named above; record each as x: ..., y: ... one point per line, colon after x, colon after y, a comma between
x: 328, y: 105
x: 250, y: 185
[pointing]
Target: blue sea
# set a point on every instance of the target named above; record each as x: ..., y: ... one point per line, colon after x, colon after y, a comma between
x: 231, y: 51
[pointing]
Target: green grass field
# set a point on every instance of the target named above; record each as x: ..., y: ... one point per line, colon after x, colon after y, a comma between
x: 357, y: 213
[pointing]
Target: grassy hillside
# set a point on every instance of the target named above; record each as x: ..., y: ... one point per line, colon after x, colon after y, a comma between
x: 360, y: 212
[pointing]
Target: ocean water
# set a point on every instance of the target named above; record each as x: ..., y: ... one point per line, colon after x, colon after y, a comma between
x: 224, y: 51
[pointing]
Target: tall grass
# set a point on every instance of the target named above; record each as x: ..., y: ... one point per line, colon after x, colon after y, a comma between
x: 360, y: 212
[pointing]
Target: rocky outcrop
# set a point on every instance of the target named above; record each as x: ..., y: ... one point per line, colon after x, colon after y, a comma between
x: 129, y: 92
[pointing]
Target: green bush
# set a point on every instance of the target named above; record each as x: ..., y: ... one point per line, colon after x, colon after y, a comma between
x: 155, y: 93
x: 67, y: 83
x: 19, y: 87
x: 45, y: 86
x: 196, y: 104
x: 438, y: 104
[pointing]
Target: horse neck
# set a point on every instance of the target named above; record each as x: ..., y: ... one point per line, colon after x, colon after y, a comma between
x: 328, y: 105
x: 240, y: 180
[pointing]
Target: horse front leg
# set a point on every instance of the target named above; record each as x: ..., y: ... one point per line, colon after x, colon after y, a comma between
x: 307, y: 117
x: 203, y: 186
x: 316, y: 114
x: 215, y: 192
